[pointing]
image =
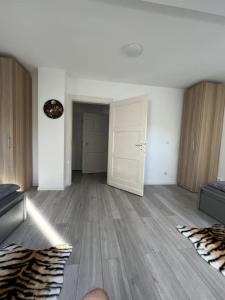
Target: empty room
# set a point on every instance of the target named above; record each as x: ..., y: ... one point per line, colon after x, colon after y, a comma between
x: 112, y: 149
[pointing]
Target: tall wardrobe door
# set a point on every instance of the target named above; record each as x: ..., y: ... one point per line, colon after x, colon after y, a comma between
x: 188, y: 159
x: 19, y: 125
x: 212, y: 125
x: 217, y: 131
x: 197, y: 130
x: 28, y: 131
x: 6, y: 121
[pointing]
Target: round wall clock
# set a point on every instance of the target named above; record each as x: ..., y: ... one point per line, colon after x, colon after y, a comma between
x: 53, y: 109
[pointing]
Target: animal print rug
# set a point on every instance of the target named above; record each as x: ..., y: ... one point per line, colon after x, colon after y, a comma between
x: 32, y: 274
x: 209, y: 243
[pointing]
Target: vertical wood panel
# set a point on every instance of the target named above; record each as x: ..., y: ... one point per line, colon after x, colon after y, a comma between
x: 217, y: 130
x: 196, y: 133
x: 191, y: 124
x: 28, y: 131
x: 6, y: 121
x: 19, y: 124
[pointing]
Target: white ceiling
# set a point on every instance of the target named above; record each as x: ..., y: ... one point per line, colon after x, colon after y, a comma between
x: 216, y: 7
x: 182, y: 45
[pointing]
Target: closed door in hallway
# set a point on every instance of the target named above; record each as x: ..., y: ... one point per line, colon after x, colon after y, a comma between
x: 95, y: 143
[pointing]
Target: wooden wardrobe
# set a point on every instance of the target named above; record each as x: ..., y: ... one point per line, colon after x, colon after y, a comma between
x: 15, y: 124
x: 201, y: 133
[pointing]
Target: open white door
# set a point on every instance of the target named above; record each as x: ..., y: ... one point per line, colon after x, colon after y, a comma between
x: 95, y: 143
x: 127, y: 143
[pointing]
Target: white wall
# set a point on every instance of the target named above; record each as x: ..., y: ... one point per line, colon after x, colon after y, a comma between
x: 221, y: 174
x: 51, y: 132
x: 165, y: 105
x: 164, y: 122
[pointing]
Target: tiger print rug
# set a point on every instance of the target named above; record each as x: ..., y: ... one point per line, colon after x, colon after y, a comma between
x: 32, y: 274
x: 209, y: 243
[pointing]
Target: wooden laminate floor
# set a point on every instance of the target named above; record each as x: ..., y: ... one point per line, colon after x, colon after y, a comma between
x: 123, y: 243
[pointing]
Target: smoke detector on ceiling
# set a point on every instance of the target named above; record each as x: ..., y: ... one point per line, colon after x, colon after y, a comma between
x: 132, y: 50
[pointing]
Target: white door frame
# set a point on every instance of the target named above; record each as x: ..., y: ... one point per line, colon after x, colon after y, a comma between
x: 68, y: 126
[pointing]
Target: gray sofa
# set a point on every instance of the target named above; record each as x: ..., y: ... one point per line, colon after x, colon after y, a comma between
x: 12, y: 209
x: 212, y: 200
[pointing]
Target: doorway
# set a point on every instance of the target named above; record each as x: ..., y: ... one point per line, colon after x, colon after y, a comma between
x: 90, y: 123
x: 126, y: 140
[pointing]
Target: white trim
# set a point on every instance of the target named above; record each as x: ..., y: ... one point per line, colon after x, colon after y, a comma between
x: 90, y: 99
x: 68, y: 127
x: 160, y: 183
x: 47, y: 188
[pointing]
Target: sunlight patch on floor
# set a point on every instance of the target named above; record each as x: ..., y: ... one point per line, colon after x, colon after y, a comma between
x: 45, y: 227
